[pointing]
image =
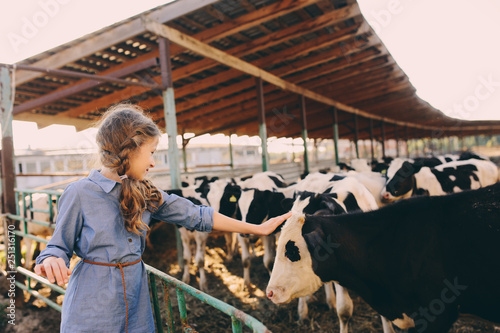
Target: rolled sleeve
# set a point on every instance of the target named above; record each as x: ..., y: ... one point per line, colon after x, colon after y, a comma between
x: 68, y: 227
x: 184, y: 213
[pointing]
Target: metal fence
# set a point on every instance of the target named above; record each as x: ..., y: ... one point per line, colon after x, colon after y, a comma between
x: 163, y: 314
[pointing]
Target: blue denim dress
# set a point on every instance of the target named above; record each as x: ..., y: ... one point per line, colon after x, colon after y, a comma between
x: 90, y: 224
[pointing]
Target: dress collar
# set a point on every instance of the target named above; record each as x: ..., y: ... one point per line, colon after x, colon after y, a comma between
x: 105, y: 183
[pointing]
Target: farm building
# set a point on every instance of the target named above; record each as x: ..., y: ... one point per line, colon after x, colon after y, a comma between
x: 310, y: 69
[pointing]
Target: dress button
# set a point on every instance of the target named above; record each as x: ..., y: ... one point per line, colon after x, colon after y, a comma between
x: 130, y: 240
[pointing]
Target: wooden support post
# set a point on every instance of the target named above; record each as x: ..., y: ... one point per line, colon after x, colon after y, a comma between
x: 262, y: 123
x: 336, y: 135
x: 396, y: 138
x: 304, y: 132
x: 407, y: 139
x: 12, y: 244
x: 371, y: 139
x: 184, y: 153
x: 417, y: 143
x: 231, y: 160
x: 356, y: 135
x: 316, y: 153
x: 382, y: 130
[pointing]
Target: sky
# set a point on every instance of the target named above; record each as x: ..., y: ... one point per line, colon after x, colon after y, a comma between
x: 449, y: 49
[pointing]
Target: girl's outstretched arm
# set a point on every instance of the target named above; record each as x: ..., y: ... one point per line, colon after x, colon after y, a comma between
x: 224, y: 223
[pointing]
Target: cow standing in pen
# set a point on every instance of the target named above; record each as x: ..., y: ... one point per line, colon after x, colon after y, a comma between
x: 259, y: 201
x: 406, y: 179
x: 345, y: 194
x: 419, y: 262
x: 193, y: 237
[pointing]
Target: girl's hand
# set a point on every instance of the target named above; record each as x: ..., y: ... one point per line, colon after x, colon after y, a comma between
x: 270, y: 225
x: 54, y: 269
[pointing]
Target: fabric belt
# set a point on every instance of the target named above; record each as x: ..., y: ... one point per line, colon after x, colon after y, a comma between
x: 119, y: 265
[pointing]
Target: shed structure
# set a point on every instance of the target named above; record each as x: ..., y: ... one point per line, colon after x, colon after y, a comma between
x: 290, y: 68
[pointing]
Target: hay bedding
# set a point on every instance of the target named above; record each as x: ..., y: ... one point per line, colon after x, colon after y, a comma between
x: 225, y: 283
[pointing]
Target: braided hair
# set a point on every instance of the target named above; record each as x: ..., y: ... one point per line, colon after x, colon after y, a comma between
x: 122, y: 130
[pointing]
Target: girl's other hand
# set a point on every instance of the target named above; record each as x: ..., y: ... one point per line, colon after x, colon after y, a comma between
x: 54, y: 269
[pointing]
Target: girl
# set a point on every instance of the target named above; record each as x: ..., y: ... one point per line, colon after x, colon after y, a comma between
x: 104, y: 219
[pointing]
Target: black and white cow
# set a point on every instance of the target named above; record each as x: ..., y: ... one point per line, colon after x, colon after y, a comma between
x: 223, y: 195
x: 418, y: 262
x: 406, y: 179
x: 345, y: 195
x: 259, y: 201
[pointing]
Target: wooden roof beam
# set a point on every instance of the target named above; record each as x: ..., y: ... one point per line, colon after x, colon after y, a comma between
x: 43, y: 120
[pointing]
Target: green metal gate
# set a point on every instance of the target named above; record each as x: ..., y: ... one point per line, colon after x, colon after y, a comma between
x: 163, y: 314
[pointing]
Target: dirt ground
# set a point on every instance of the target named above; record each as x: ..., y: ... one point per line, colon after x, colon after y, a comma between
x: 225, y: 283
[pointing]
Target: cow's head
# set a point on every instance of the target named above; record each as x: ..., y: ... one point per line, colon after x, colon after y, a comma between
x: 229, y: 200
x: 223, y: 197
x: 292, y: 275
x: 400, y: 181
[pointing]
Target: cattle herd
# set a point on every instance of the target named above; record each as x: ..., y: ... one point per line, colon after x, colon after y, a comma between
x: 397, y: 232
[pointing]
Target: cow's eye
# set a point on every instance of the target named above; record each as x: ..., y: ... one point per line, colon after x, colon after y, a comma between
x: 292, y: 251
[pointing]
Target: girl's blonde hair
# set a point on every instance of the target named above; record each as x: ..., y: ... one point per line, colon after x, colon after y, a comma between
x: 122, y: 130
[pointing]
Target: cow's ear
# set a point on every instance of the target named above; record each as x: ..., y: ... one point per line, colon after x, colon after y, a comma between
x: 317, y: 245
x: 314, y: 238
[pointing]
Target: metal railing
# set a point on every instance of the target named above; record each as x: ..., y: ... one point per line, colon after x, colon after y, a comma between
x: 163, y: 316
